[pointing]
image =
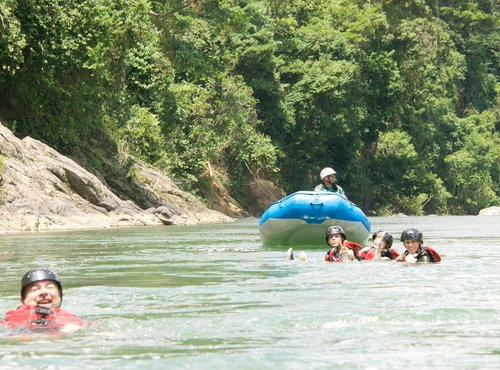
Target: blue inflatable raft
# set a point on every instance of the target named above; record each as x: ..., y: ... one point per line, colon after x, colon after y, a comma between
x: 301, y: 219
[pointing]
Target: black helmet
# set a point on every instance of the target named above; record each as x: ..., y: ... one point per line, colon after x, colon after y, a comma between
x: 334, y: 230
x: 38, y: 275
x: 412, y: 234
x: 385, y: 237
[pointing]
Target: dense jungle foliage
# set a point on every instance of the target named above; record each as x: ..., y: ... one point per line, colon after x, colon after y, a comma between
x: 400, y: 97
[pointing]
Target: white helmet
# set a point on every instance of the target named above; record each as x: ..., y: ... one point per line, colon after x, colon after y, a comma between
x: 327, y: 171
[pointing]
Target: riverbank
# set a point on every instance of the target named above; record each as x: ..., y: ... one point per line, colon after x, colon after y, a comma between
x: 41, y: 189
x: 44, y: 190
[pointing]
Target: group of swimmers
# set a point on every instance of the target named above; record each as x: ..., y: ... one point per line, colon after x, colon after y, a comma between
x: 342, y: 250
x: 41, y: 289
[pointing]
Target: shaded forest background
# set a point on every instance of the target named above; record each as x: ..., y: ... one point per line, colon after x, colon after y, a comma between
x: 400, y: 97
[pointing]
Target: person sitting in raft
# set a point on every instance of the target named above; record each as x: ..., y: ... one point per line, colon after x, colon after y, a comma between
x: 416, y: 252
x: 41, y: 299
x: 341, y: 249
x: 382, y: 248
x: 328, y: 182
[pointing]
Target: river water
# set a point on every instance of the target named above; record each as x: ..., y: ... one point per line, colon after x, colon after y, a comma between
x: 212, y: 297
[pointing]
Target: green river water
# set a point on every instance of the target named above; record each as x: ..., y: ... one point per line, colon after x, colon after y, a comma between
x: 212, y: 297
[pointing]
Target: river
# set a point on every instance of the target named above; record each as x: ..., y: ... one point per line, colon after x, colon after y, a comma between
x: 212, y: 297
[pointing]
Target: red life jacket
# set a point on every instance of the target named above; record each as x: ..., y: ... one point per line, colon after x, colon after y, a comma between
x: 330, y: 257
x: 425, y: 250
x: 355, y: 247
x: 434, y: 255
x: 389, y: 252
x: 34, y: 317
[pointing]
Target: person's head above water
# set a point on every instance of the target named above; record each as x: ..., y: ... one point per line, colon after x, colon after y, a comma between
x: 412, y: 240
x: 383, y: 239
x: 335, y: 236
x: 41, y: 287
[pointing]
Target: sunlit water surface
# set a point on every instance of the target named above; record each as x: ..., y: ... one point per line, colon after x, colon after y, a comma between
x: 212, y: 297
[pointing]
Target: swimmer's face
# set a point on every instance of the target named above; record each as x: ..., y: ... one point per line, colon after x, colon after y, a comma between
x: 379, y: 241
x: 335, y: 240
x: 411, y: 246
x: 44, y: 293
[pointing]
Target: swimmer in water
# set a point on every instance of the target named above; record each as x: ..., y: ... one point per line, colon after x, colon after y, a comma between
x: 41, y: 299
x: 416, y: 252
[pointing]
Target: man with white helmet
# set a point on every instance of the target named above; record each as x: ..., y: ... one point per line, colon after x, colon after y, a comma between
x: 328, y: 182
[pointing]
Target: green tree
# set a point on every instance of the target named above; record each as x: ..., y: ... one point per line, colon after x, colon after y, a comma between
x: 473, y: 169
x: 474, y: 27
x: 74, y: 61
x: 375, y: 89
x: 12, y: 40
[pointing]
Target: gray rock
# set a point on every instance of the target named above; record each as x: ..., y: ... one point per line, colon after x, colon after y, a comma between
x: 490, y: 211
x: 41, y: 189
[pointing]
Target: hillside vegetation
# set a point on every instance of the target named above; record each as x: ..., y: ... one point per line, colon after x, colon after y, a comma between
x: 400, y: 97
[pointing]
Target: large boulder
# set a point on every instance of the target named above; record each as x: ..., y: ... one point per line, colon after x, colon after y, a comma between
x: 490, y: 211
x: 40, y: 189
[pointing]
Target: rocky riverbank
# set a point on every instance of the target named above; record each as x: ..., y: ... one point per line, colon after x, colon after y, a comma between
x: 40, y: 189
